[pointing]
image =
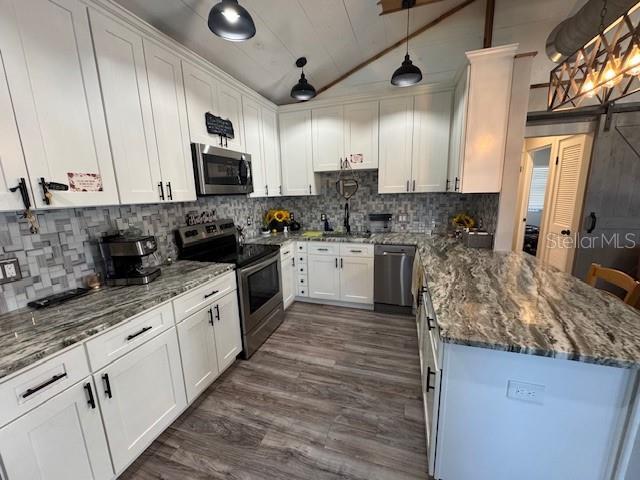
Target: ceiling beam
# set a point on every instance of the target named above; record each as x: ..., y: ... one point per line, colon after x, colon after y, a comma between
x: 392, y: 6
x: 399, y: 43
x: 488, y: 24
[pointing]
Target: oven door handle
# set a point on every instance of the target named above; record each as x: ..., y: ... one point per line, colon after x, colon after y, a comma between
x: 273, y: 258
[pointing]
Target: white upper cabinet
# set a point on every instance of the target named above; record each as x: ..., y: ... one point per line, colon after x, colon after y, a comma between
x: 296, y: 155
x: 328, y: 138
x: 230, y: 108
x: 12, y: 166
x: 271, y: 153
x: 125, y: 90
x: 458, y: 125
x: 396, y: 125
x: 431, y: 125
x: 51, y: 71
x: 481, y: 116
x: 361, y: 134
x: 170, y: 119
x: 205, y: 93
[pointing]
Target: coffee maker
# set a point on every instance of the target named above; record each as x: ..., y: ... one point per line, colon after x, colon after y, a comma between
x: 123, y: 257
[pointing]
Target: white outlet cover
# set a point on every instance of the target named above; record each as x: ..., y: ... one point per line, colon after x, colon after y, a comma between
x: 526, y: 392
x: 10, y: 270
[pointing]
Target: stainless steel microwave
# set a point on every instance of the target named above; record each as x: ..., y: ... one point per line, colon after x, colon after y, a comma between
x: 220, y: 171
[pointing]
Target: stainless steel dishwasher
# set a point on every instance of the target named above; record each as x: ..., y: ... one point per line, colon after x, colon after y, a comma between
x: 393, y: 267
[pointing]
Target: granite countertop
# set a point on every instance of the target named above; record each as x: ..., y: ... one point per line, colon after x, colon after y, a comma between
x: 510, y: 301
x: 28, y: 335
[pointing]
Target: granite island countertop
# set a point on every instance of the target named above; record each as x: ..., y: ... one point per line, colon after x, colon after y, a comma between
x: 28, y: 335
x: 510, y: 301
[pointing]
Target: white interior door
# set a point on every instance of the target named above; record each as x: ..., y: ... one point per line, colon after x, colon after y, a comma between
x: 328, y: 138
x: 170, y: 120
x: 396, y: 134
x: 324, y: 277
x: 356, y: 280
x: 198, y: 350
x: 253, y: 143
x: 125, y: 90
x: 430, y: 157
x: 51, y: 71
x: 140, y: 395
x: 271, y: 153
x: 12, y: 166
x: 201, y: 91
x: 227, y: 330
x: 62, y: 439
x: 295, y: 148
x: 562, y: 217
x: 361, y: 126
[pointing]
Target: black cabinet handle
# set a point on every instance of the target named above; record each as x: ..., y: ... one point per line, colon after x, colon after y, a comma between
x: 414, y: 185
x: 293, y: 262
x: 211, y: 294
x: 323, y: 249
x: 52, y: 380
x: 211, y: 317
x: 161, y: 190
x: 429, y: 373
x: 594, y: 221
x: 217, y: 312
x: 407, y: 185
x: 430, y: 326
x: 287, y: 252
x: 336, y: 263
x: 355, y: 251
x: 341, y: 263
x: 91, y: 400
x: 169, y: 192
x: 446, y: 188
x: 266, y: 190
x: 24, y: 193
x: 107, y: 385
x: 134, y: 335
x: 456, y: 184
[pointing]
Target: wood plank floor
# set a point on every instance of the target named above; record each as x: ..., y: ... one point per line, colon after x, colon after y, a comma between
x: 333, y: 394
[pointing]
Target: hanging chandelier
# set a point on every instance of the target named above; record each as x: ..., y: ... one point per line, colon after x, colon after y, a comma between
x: 606, y: 69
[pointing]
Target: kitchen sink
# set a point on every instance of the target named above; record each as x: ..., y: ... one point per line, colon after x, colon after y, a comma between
x: 345, y: 235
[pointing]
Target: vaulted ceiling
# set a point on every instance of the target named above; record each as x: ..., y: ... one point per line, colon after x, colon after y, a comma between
x: 336, y: 35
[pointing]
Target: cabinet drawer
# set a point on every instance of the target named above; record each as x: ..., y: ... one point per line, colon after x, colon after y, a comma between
x: 197, y: 299
x: 287, y: 251
x: 301, y: 268
x: 301, y: 247
x: 301, y: 258
x: 37, y: 385
x: 356, y: 250
x: 324, y: 248
x: 110, y: 346
x: 302, y: 280
x: 302, y: 291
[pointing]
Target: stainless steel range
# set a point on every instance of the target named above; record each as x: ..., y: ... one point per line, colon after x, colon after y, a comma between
x: 257, y: 271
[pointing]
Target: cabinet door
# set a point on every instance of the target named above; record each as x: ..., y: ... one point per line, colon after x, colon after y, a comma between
x: 230, y: 108
x: 201, y: 91
x: 12, y: 166
x: 61, y: 439
x: 396, y: 125
x: 253, y: 142
x: 361, y: 134
x: 198, y: 350
x: 328, y: 138
x: 456, y: 149
x: 288, y: 281
x: 324, y: 277
x: 271, y: 153
x: 356, y: 280
x: 140, y: 395
x: 227, y: 330
x: 125, y: 91
x: 431, y: 124
x: 295, y: 148
x: 170, y: 119
x: 54, y: 86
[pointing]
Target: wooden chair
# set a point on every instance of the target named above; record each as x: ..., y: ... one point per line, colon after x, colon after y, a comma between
x: 617, y: 278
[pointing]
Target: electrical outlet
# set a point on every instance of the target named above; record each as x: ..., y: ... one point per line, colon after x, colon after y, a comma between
x: 249, y: 221
x: 527, y: 392
x: 323, y: 217
x: 10, y: 271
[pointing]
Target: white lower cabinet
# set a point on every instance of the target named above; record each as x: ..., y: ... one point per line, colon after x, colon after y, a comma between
x: 227, y: 330
x: 324, y: 277
x: 61, y: 439
x: 198, y: 350
x: 288, y: 281
x: 356, y: 279
x: 140, y: 395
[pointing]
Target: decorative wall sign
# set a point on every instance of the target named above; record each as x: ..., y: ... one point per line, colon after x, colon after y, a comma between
x: 85, y: 182
x: 218, y: 126
x: 193, y: 218
x: 356, y: 158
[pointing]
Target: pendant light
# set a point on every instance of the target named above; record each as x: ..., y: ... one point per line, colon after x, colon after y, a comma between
x: 302, y: 90
x: 228, y: 20
x: 407, y: 74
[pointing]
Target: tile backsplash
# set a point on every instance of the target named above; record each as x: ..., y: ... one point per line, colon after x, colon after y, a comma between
x: 65, y: 249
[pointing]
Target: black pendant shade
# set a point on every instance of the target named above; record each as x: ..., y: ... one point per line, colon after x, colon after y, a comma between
x: 407, y: 74
x: 228, y: 20
x: 302, y: 90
